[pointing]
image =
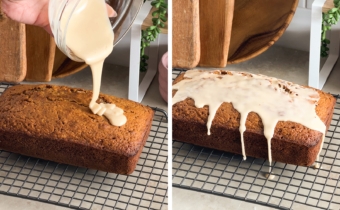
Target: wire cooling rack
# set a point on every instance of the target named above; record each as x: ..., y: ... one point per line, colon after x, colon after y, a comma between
x: 294, y: 187
x: 82, y: 188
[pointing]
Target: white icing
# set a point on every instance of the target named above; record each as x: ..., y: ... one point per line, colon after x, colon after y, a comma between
x: 113, y: 113
x: 270, y: 176
x: 89, y: 37
x: 263, y: 95
x: 316, y: 166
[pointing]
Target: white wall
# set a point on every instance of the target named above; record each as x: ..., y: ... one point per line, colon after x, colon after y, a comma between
x: 297, y: 35
x: 121, y: 53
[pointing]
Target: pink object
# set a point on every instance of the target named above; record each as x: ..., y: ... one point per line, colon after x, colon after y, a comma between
x: 163, y: 76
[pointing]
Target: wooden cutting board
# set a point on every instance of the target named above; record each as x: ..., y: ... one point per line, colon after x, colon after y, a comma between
x: 257, y: 25
x: 40, y: 54
x: 44, y: 59
x: 215, y: 29
x: 12, y: 50
x: 185, y: 33
x: 67, y: 67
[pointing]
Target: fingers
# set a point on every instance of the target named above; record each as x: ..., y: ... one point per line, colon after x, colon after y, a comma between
x: 48, y: 29
x: 110, y: 11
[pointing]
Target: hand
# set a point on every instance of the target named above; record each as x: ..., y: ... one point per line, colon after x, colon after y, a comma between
x: 33, y: 12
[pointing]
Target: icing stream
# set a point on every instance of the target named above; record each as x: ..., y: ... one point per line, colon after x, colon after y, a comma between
x: 93, y: 42
x: 272, y: 99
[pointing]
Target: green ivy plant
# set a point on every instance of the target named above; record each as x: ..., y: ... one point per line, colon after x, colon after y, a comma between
x: 328, y: 19
x: 150, y: 34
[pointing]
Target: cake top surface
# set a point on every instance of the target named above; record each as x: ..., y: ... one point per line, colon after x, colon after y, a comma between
x: 273, y: 99
x: 228, y: 116
x: 62, y: 113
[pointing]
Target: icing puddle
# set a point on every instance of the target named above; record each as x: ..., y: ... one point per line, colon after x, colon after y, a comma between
x: 272, y: 99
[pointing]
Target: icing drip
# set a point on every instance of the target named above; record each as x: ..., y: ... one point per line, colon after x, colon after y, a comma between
x: 270, y: 176
x: 242, y: 129
x: 316, y: 166
x: 272, y: 99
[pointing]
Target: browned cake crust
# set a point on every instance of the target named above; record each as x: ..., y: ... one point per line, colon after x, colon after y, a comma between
x: 55, y: 123
x: 292, y: 142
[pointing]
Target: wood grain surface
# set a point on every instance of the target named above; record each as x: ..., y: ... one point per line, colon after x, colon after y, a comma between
x: 12, y: 50
x: 40, y: 54
x: 257, y: 25
x: 185, y: 34
x: 328, y: 5
x: 67, y: 68
x: 215, y: 28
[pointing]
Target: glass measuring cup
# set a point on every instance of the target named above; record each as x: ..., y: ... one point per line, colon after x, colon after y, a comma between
x: 127, y: 11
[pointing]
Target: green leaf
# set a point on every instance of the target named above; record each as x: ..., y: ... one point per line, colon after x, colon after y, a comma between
x: 333, y: 10
x: 155, y: 13
x: 152, y: 28
x: 163, y: 13
x: 154, y: 21
x: 164, y: 5
x: 164, y: 19
x: 151, y: 33
x: 162, y: 10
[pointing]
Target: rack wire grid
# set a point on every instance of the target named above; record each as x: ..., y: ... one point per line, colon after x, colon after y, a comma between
x: 294, y: 187
x: 81, y: 188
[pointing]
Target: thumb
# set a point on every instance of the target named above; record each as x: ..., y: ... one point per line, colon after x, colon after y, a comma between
x: 110, y: 11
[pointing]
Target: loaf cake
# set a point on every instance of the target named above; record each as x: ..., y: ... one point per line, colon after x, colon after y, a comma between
x: 291, y: 142
x: 55, y: 123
